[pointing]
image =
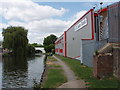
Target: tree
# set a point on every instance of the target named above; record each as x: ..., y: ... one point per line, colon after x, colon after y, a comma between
x: 15, y: 40
x: 30, y: 50
x: 49, y: 43
x: 36, y: 45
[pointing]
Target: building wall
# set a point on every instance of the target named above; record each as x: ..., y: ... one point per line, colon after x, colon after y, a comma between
x: 89, y: 47
x: 114, y: 22
x: 100, y: 39
x: 82, y: 41
x: 59, y: 45
x: 75, y: 36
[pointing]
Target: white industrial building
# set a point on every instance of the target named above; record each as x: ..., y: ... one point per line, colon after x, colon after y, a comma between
x: 90, y: 33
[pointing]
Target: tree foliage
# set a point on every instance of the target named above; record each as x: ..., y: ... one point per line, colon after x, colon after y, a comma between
x: 30, y: 50
x: 49, y: 43
x: 15, y: 39
x: 36, y: 45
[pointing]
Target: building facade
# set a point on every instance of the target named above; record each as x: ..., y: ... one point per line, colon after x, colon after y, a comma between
x: 90, y: 33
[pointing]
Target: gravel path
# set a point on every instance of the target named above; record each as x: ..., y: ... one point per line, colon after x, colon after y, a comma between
x: 72, y: 79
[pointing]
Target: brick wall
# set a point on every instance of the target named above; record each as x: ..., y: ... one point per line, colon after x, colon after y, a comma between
x: 116, y: 68
x: 102, y: 66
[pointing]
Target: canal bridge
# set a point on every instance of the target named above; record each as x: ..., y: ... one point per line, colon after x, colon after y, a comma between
x: 40, y: 48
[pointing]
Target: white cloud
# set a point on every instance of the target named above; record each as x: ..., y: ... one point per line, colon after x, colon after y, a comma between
x: 36, y: 18
x: 40, y: 29
x: 79, y: 14
x: 48, y: 25
x: 1, y: 27
x: 76, y: 16
x: 28, y: 11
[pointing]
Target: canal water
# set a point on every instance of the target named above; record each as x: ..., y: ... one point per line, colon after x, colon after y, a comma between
x: 21, y: 72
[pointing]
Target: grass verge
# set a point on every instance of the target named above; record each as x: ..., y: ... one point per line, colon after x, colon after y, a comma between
x: 53, y: 59
x: 54, y: 78
x: 86, y: 73
x: 55, y: 74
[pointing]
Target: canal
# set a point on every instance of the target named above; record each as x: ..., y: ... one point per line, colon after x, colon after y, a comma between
x: 21, y: 72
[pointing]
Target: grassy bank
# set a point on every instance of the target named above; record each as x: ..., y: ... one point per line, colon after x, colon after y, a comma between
x: 86, y: 73
x: 55, y: 75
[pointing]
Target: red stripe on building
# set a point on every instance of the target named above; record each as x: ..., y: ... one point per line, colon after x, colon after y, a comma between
x: 56, y: 50
x: 103, y: 10
x: 65, y: 44
x: 95, y: 14
x: 76, y: 57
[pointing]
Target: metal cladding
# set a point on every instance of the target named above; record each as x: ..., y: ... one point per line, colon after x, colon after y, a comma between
x: 90, y: 33
x: 114, y: 22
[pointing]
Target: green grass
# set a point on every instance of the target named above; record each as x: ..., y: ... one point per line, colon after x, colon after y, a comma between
x: 55, y: 66
x: 55, y: 78
x: 86, y: 73
x: 55, y: 75
x: 53, y: 59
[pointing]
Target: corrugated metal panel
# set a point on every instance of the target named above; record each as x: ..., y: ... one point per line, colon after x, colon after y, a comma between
x: 88, y: 49
x: 114, y: 22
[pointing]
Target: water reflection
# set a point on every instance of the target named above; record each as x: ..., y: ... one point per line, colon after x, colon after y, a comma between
x: 14, y: 72
x: 20, y: 72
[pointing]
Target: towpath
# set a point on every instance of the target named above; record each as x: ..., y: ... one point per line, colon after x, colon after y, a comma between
x: 72, y: 79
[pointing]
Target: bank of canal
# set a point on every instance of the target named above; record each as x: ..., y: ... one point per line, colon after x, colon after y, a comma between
x: 21, y: 72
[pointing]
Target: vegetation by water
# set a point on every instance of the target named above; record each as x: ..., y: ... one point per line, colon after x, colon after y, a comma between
x: 55, y: 75
x: 86, y: 73
x: 16, y: 42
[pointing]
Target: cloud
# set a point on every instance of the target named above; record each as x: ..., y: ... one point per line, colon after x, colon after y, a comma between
x: 75, y: 0
x: 40, y: 29
x: 28, y: 11
x: 79, y: 14
x: 48, y: 25
x: 38, y: 19
x: 76, y: 16
x: 1, y: 27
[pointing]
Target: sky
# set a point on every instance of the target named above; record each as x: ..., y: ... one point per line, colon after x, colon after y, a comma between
x: 43, y: 18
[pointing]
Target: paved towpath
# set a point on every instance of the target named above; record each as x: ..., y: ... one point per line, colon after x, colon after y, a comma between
x: 72, y: 79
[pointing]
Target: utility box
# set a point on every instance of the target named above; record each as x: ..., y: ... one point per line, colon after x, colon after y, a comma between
x: 114, y: 23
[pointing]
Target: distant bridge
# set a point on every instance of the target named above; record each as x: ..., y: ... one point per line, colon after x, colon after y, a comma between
x: 40, y: 48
